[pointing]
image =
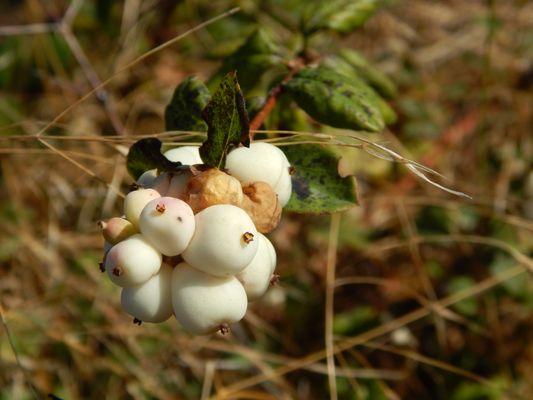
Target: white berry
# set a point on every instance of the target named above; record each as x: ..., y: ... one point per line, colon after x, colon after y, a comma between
x: 203, y: 303
x: 272, y: 252
x: 261, y: 162
x: 187, y: 155
x: 135, y: 201
x: 132, y: 261
x: 225, y: 241
x: 161, y: 183
x: 172, y: 184
x: 168, y: 224
x: 150, y: 301
x: 283, y: 187
x: 178, y: 185
x: 284, y: 158
x: 107, y: 246
x: 255, y: 278
x: 146, y: 180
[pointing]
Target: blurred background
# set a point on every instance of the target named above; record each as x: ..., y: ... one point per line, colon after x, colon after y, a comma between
x: 432, y: 294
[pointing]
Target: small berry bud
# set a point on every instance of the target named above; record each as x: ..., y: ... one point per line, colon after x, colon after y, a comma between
x: 224, y: 328
x: 137, y: 321
x: 248, y: 237
x: 116, y: 229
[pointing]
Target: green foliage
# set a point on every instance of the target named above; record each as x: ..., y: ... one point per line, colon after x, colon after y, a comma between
x: 227, y: 122
x: 288, y: 116
x: 467, y: 307
x: 372, y: 75
x: 316, y: 184
x: 184, y: 112
x: 344, y: 92
x: 258, y: 54
x: 359, y: 80
x: 355, y: 320
x: 517, y: 287
x: 342, y: 16
x: 476, y: 391
x: 335, y: 100
x: 146, y: 154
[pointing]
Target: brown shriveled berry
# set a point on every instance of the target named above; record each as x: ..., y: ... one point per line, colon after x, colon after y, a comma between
x: 262, y: 205
x: 213, y: 187
x: 137, y: 321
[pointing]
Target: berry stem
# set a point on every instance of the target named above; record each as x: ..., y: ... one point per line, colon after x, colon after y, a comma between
x: 274, y: 279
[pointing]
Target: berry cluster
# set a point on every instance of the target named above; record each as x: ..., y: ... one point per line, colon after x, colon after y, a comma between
x: 191, y: 243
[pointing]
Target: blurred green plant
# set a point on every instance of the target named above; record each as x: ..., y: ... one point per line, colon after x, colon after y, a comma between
x: 351, y: 99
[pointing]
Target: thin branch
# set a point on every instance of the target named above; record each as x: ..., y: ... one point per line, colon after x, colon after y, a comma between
x: 380, y: 330
x: 92, y: 77
x: 430, y: 361
x: 31, y: 29
x: 72, y: 12
x: 330, y: 295
x: 17, y: 358
x: 272, y: 98
x: 134, y: 62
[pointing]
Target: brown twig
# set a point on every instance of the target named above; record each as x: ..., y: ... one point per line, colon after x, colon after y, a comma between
x: 272, y: 98
x: 374, y: 333
x: 330, y: 295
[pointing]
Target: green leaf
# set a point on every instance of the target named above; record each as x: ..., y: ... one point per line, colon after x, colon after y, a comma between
x: 355, y: 78
x: 342, y: 16
x: 252, y: 59
x: 355, y: 320
x: 372, y: 75
x: 184, y: 112
x: 317, y: 186
x: 146, y: 154
x: 333, y: 99
x: 468, y: 307
x: 227, y: 122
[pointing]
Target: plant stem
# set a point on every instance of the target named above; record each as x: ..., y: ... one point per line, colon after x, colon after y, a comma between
x: 295, y: 66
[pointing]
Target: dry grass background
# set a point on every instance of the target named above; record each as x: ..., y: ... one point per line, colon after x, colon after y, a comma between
x: 415, y: 294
